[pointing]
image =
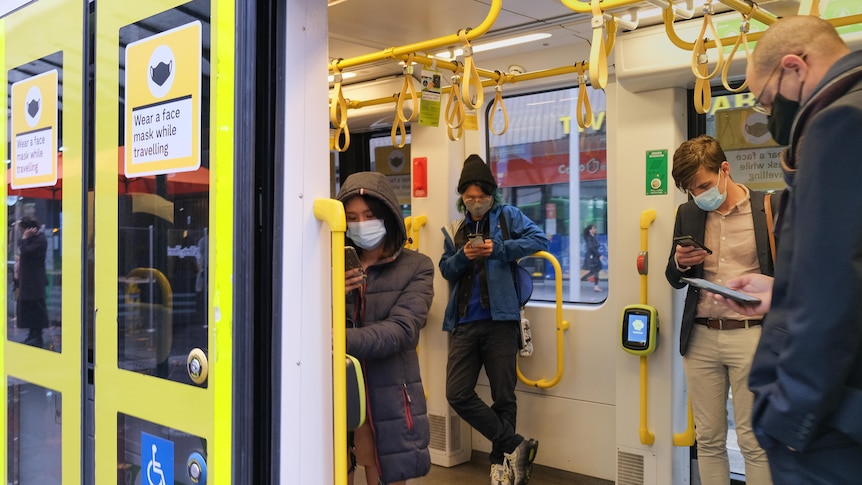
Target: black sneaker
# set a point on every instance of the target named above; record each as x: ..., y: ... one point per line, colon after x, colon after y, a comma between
x: 521, y: 461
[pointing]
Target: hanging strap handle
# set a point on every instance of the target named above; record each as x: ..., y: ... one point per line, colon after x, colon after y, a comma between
x: 584, y: 112
x: 598, y: 53
x: 498, y: 101
x: 742, y: 39
x: 338, y: 110
x: 407, y: 86
x: 472, y: 82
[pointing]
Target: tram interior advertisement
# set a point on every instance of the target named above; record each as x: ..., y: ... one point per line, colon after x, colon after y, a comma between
x: 509, y: 178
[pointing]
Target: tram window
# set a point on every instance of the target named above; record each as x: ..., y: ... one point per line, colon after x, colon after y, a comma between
x: 533, y: 162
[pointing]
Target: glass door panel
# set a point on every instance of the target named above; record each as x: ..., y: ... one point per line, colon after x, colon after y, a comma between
x: 42, y: 47
x: 156, y: 291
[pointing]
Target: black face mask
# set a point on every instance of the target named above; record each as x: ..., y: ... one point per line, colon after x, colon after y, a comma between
x: 781, y: 120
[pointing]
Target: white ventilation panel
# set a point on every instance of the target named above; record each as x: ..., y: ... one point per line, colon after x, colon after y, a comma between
x: 450, y: 439
x: 635, y: 467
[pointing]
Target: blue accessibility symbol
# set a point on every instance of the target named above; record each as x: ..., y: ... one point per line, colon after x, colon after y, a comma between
x: 157, y: 460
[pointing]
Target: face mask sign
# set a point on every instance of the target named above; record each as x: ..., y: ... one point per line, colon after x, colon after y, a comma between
x: 711, y: 199
x: 366, y: 234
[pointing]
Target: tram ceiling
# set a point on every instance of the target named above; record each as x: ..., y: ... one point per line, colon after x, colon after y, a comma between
x: 360, y: 28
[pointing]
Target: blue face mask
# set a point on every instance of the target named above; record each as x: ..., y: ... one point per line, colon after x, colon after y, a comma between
x: 712, y: 199
x: 367, y: 234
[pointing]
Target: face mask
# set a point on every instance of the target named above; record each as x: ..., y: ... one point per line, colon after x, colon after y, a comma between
x: 712, y: 199
x: 780, y: 121
x: 366, y: 234
x: 479, y: 208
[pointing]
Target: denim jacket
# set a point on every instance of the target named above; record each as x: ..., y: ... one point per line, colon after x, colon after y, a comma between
x: 525, y: 238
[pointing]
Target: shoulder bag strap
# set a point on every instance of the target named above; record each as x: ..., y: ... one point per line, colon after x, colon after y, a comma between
x: 770, y: 229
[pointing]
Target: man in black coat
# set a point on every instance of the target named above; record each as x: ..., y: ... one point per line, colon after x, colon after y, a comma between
x: 32, y: 312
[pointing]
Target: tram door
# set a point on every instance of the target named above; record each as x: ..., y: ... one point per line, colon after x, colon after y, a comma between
x: 121, y: 122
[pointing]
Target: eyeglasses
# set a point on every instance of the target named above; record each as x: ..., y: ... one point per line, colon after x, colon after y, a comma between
x: 481, y: 198
x: 758, y: 106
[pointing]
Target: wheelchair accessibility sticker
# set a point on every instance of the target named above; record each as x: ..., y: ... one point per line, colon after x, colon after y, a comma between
x: 157, y: 460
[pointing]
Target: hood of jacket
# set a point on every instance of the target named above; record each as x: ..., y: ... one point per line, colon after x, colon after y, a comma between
x: 376, y: 185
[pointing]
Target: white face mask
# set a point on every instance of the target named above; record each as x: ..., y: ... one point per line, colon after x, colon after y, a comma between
x: 367, y: 234
x: 712, y: 199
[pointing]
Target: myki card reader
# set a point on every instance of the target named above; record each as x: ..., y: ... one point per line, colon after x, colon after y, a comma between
x: 639, y: 330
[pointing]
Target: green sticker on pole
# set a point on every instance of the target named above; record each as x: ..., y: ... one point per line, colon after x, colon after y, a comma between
x: 656, y: 172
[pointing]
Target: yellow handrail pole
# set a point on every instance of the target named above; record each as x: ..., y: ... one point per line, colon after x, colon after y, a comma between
x: 427, y: 45
x: 647, y: 437
x: 562, y: 325
x: 417, y: 224
x: 686, y: 438
x: 331, y: 211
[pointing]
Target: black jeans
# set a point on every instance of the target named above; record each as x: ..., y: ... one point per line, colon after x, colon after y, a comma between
x: 494, y: 345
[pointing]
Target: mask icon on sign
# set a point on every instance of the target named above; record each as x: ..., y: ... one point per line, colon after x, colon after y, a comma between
x: 160, y: 73
x: 33, y: 108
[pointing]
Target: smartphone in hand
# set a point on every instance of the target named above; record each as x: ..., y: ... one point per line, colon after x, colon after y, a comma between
x: 475, y: 239
x: 351, y: 259
x: 690, y: 241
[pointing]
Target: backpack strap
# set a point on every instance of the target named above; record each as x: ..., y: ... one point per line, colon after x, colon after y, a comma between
x: 770, y: 224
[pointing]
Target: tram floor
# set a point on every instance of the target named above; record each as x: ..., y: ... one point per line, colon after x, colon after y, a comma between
x: 478, y: 470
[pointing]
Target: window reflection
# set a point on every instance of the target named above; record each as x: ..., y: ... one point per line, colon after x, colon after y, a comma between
x: 556, y: 174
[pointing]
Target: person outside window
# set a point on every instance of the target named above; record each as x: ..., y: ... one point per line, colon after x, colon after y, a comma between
x: 717, y: 344
x: 483, y: 315
x: 32, y: 280
x: 592, y: 257
x: 387, y: 305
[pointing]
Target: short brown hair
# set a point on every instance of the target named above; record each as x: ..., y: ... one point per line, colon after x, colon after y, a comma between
x: 703, y: 151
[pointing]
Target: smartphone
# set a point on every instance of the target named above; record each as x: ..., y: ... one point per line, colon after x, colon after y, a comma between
x: 690, y: 241
x: 351, y: 259
x: 475, y: 239
x: 734, y: 295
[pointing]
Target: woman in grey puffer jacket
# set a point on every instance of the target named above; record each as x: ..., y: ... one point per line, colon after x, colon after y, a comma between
x: 387, y: 304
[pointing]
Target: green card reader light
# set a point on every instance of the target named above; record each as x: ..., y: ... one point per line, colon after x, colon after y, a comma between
x: 639, y: 330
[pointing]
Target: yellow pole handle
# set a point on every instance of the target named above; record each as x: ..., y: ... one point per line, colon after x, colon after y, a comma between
x: 562, y: 325
x: 647, y: 437
x: 331, y: 211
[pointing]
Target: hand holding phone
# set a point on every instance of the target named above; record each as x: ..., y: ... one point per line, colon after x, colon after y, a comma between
x: 689, y: 241
x: 351, y: 259
x: 475, y: 239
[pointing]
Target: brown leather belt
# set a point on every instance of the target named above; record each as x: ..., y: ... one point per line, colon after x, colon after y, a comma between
x: 726, y: 323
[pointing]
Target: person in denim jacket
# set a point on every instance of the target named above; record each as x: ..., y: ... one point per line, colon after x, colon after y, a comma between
x: 483, y: 315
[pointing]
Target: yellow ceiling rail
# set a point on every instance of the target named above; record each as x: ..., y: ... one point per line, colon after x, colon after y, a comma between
x: 689, y: 46
x: 584, y: 7
x: 562, y: 325
x: 428, y: 45
x: 510, y: 78
x: 331, y: 211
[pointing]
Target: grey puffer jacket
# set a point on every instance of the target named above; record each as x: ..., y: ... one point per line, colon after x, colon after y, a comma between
x: 398, y: 296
